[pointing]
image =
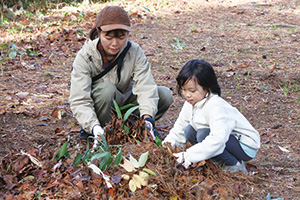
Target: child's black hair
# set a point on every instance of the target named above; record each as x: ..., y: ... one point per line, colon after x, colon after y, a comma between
x: 202, y: 72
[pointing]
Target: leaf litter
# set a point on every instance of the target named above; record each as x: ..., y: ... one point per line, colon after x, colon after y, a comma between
x: 36, y: 86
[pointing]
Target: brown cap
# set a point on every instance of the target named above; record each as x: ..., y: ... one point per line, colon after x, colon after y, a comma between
x: 112, y: 18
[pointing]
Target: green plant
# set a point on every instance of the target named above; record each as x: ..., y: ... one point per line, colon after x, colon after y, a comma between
x: 219, y: 51
x: 146, y: 8
x: 132, y: 164
x: 178, y: 44
x: 193, y: 28
x: 39, y: 195
x: 285, y: 87
x: 238, y: 78
x: 247, y: 75
x: 11, y: 50
x: 163, y: 2
x: 158, y: 142
x: 222, y: 27
x: 241, y: 108
x: 101, y: 152
x: 62, y: 152
x: 296, y: 88
x: 292, y: 30
x: 274, y: 26
x: 2, y: 69
x: 124, y: 118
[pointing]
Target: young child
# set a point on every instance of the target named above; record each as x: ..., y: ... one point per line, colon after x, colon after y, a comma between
x: 216, y: 130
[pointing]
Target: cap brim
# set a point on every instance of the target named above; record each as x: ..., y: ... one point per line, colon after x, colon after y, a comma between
x: 111, y: 27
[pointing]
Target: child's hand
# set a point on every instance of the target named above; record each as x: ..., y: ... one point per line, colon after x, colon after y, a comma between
x: 170, y: 140
x: 182, y: 157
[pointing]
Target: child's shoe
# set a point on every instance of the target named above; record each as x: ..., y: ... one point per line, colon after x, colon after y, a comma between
x: 240, y: 166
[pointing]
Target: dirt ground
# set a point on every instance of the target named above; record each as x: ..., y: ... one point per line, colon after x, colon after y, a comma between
x: 254, y: 46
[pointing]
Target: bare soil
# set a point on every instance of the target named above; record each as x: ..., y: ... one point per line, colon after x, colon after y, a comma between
x: 254, y: 48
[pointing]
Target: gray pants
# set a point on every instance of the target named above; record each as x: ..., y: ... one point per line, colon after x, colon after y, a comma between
x: 104, y: 92
x: 232, y: 153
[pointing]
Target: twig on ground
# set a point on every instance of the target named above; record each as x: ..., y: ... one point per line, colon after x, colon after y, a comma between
x: 273, y: 25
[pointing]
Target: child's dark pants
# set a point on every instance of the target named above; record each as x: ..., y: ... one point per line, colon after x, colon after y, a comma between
x: 232, y: 153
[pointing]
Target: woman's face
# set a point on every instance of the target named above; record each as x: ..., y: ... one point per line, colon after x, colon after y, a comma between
x: 112, y: 44
x: 193, y: 92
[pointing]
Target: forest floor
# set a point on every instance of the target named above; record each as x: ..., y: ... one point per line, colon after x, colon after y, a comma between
x: 253, y: 47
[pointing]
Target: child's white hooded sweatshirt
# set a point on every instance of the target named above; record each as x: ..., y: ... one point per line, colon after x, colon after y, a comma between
x: 215, y: 113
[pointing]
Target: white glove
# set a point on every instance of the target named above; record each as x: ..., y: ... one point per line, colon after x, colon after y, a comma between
x: 97, y: 131
x: 182, y: 157
x: 149, y: 127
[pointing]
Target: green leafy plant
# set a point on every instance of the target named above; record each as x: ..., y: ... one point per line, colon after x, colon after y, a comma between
x: 62, y: 152
x: 158, y: 142
x: 193, y: 28
x: 2, y: 69
x: 146, y: 8
x: 102, y: 152
x: 39, y: 195
x: 124, y: 118
x: 285, y: 87
x: 11, y: 50
x: 296, y: 88
x: 132, y: 164
x: 247, y: 75
x: 238, y: 78
x: 3, y: 21
x: 178, y: 44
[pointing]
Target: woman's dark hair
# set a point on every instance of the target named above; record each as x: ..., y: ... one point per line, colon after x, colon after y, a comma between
x: 94, y: 33
x: 202, y: 72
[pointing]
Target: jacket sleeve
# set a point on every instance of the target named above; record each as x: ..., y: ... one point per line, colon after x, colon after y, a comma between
x: 144, y: 85
x: 221, y: 124
x: 81, y: 103
x: 176, y: 134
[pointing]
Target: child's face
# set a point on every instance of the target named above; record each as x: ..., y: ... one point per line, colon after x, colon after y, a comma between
x: 111, y: 44
x: 193, y: 92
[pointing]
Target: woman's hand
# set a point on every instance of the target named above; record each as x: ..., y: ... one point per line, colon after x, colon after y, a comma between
x: 97, y: 131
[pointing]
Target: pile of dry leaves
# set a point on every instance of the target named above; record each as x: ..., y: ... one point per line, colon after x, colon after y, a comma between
x: 34, y: 174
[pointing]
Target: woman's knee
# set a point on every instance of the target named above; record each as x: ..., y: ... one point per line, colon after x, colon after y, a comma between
x: 165, y: 95
x: 104, y: 91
